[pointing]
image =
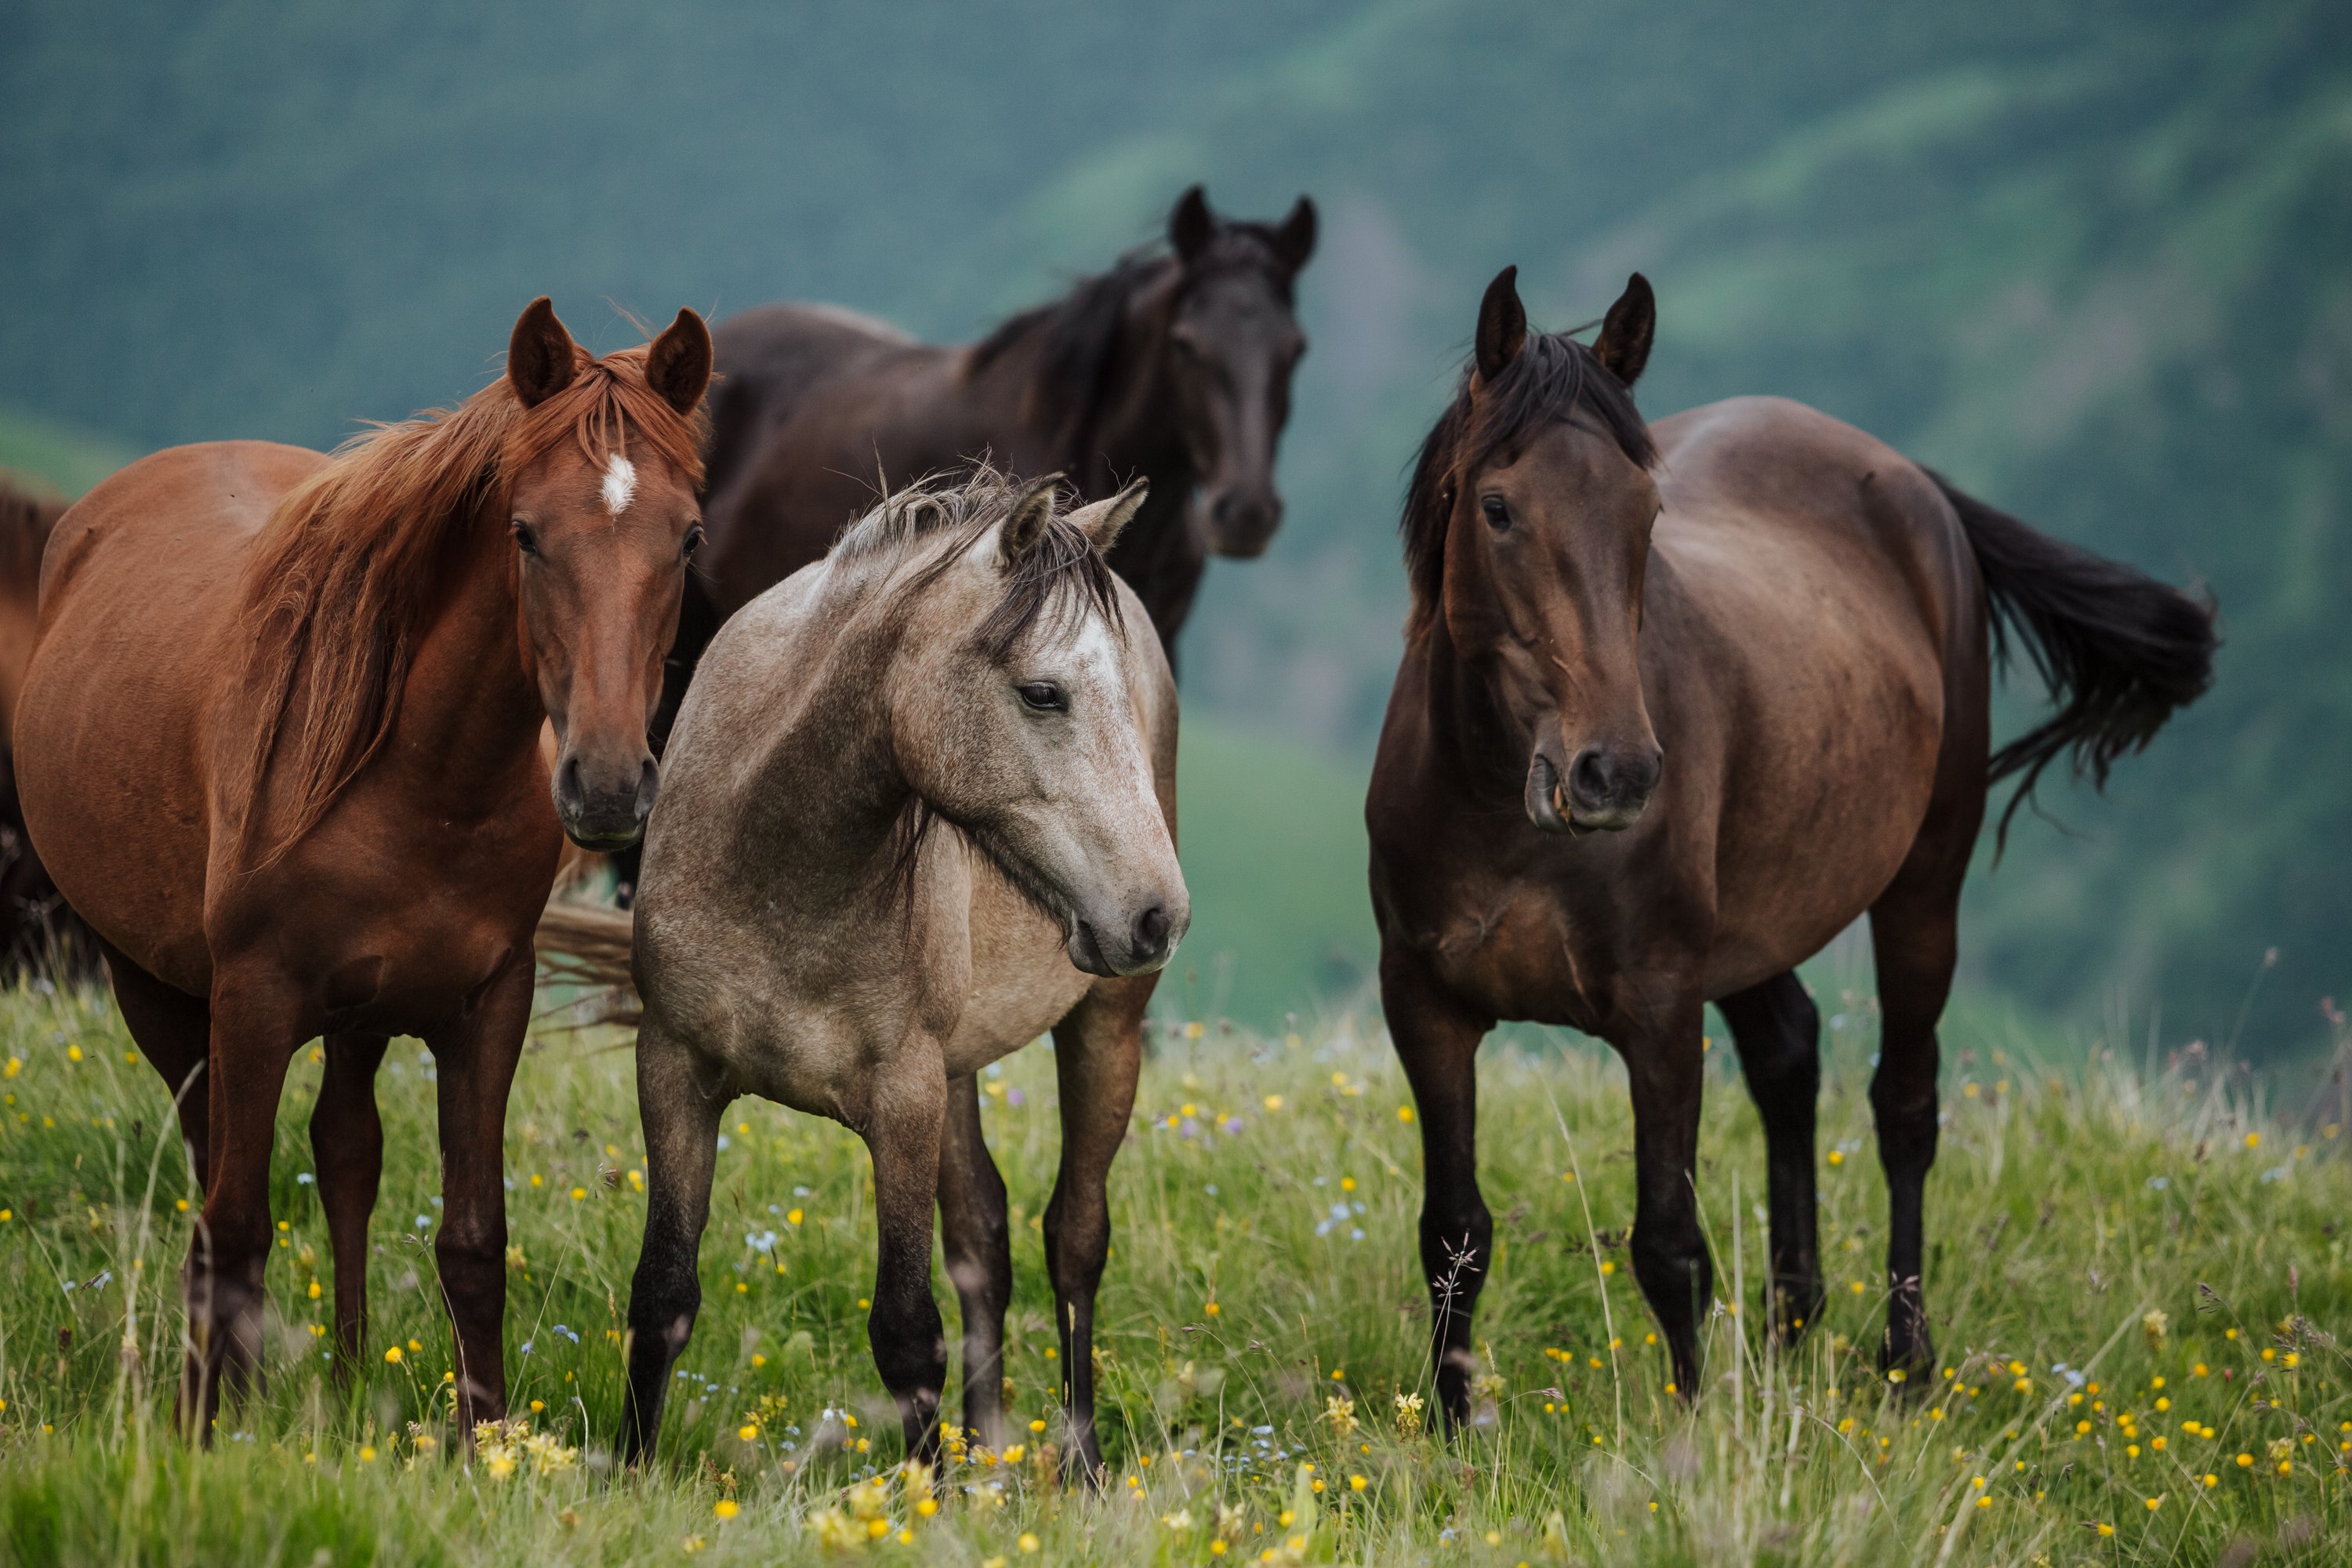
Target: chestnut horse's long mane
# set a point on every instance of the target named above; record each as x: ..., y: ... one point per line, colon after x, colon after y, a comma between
x: 351, y: 563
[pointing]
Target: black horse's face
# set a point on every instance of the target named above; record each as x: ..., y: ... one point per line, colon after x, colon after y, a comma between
x: 1234, y: 342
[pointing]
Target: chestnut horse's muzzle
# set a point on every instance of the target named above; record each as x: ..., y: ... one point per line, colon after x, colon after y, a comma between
x: 605, y: 809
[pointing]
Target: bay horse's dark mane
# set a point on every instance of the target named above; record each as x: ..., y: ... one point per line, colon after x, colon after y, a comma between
x: 1077, y: 335
x: 348, y: 568
x: 957, y: 511
x: 1552, y: 378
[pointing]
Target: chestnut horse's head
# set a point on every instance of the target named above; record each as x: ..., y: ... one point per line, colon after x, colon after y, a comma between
x: 1234, y: 341
x: 1527, y: 529
x: 603, y: 518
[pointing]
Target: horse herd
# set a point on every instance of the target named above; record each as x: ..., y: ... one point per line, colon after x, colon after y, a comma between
x: 300, y: 737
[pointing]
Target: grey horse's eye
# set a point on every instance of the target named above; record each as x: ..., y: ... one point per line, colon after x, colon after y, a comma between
x: 1045, y: 696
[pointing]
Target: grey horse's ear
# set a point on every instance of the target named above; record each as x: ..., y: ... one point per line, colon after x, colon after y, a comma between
x: 1103, y: 520
x: 1024, y: 524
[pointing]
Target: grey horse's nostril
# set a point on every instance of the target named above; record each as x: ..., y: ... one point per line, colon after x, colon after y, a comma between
x: 1150, y: 934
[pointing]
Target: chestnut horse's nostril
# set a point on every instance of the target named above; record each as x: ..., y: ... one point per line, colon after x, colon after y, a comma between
x: 648, y: 788
x: 1149, y: 938
x: 570, y: 799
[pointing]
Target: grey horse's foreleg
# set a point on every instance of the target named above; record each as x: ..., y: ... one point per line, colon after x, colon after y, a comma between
x: 680, y: 1109
x: 902, y: 1130
x: 977, y: 1239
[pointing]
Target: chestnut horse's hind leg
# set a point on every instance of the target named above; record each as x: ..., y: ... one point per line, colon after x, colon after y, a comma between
x: 977, y: 1239
x: 1097, y: 1056
x: 1437, y: 1042
x: 680, y: 1108
x: 902, y: 1128
x: 474, y: 1066
x: 347, y: 1144
x: 174, y: 1031
x: 1779, y: 1034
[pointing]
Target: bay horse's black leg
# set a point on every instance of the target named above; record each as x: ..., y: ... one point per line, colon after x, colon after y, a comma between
x: 902, y: 1128
x: 347, y: 1145
x: 681, y: 1110
x: 1097, y: 1054
x: 474, y: 1065
x: 1437, y: 1041
x: 1670, y: 1256
x: 1913, y: 930
x: 1778, y: 1032
x: 977, y: 1239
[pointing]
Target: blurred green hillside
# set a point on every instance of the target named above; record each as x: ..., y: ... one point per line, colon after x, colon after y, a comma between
x: 2090, y: 260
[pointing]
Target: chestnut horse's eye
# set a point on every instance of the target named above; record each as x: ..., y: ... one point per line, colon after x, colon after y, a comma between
x: 525, y: 539
x: 1045, y: 696
x: 693, y: 539
x: 1498, y: 516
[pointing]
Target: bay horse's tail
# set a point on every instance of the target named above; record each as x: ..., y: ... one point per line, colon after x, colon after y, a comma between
x: 2119, y: 650
x: 587, y: 946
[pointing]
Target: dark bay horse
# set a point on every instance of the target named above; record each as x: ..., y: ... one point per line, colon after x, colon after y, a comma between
x: 37, y: 928
x: 1173, y: 368
x: 1678, y: 704
x: 920, y: 811
x: 280, y: 746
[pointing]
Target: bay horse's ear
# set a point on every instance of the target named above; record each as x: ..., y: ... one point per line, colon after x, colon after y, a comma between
x: 1632, y: 327
x: 1502, y: 324
x: 1293, y: 242
x: 677, y: 364
x: 541, y: 361
x: 1191, y: 226
x: 1102, y: 521
x: 1025, y: 525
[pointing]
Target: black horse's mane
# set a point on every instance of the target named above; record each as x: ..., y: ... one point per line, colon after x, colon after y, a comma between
x: 1552, y: 378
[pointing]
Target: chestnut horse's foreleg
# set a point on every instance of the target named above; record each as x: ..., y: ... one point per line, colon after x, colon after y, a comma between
x: 174, y: 1032
x: 679, y: 1104
x: 347, y: 1145
x: 1097, y: 1055
x: 258, y: 1024
x: 1779, y: 1034
x: 1437, y: 1040
x: 1670, y: 1259
x: 977, y: 1239
x: 475, y: 1067
x: 1914, y: 931
x: 902, y: 1127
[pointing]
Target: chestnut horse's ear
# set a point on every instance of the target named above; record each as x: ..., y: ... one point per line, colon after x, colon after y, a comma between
x: 541, y: 359
x: 1102, y: 521
x: 1293, y: 242
x: 1502, y: 324
x: 677, y: 363
x: 1025, y: 525
x: 1625, y: 337
x: 1191, y: 226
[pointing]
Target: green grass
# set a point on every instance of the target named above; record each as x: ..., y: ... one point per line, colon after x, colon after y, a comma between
x: 2066, y: 1208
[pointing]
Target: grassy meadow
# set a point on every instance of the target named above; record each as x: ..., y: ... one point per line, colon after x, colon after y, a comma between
x: 2138, y: 1281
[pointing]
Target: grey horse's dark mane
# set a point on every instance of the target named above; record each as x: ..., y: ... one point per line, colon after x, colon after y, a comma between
x: 946, y: 516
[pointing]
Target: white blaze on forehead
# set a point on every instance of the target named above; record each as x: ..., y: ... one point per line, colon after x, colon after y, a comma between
x: 619, y: 483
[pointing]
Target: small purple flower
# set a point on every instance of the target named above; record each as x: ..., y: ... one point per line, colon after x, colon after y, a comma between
x: 1191, y: 1129
x: 1015, y: 1097
x: 1230, y: 1125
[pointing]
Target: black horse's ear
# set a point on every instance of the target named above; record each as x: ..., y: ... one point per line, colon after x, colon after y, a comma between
x: 1293, y: 242
x: 1025, y: 525
x: 1502, y: 324
x: 541, y: 359
x: 1632, y: 327
x: 678, y: 362
x: 1192, y: 224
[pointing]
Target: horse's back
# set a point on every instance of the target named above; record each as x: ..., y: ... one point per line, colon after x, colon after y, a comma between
x: 140, y: 601
x: 1830, y: 623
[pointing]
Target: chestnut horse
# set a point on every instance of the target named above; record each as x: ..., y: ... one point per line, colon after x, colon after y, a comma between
x: 37, y: 929
x: 281, y: 749
x: 920, y: 812
x: 1678, y: 704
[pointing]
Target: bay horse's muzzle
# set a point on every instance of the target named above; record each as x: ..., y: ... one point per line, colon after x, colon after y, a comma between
x: 1605, y: 791
x: 605, y: 808
x: 1241, y: 519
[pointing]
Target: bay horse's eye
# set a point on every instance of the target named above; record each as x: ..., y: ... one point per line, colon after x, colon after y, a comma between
x: 525, y: 539
x: 1498, y: 516
x: 693, y: 539
x: 1045, y: 696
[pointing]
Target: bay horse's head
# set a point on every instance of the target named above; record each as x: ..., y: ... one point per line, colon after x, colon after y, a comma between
x: 1020, y: 703
x: 1527, y: 529
x: 601, y: 504
x: 1233, y: 340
